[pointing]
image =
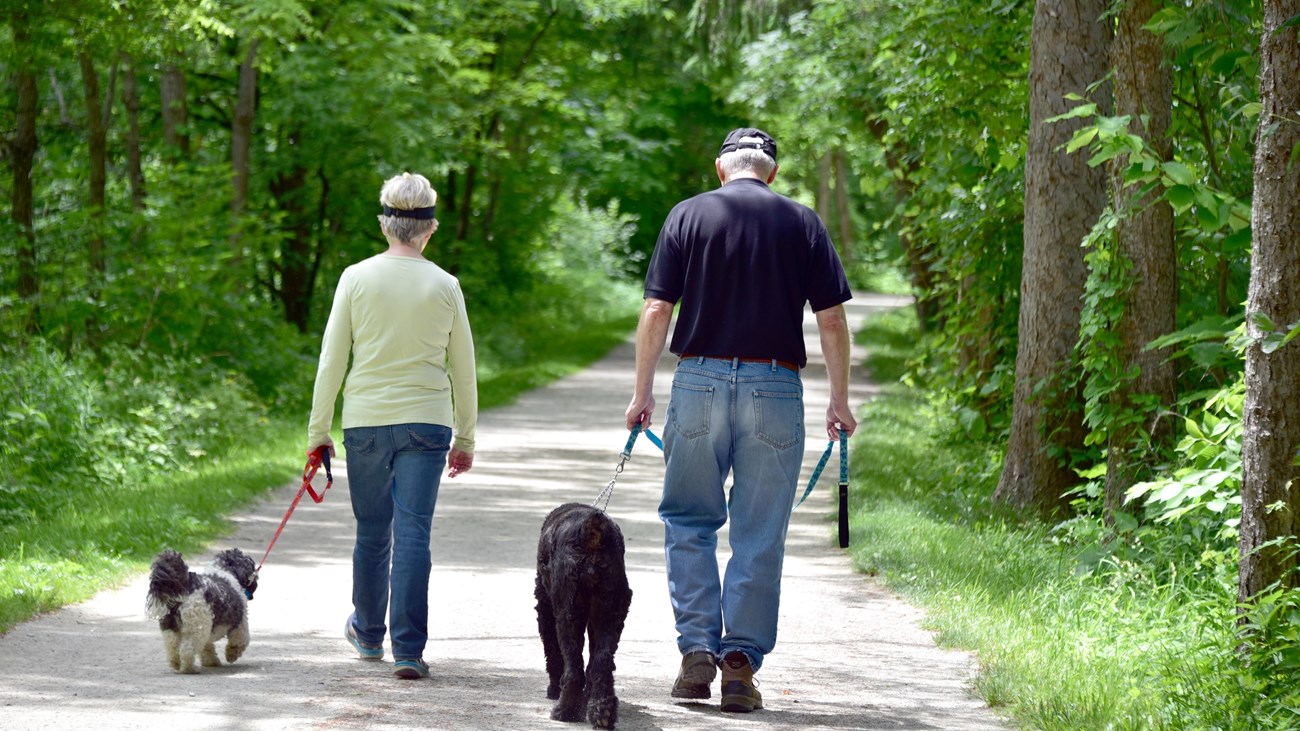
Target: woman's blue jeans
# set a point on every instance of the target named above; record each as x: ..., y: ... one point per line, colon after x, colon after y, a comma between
x: 743, y: 418
x: 393, y: 476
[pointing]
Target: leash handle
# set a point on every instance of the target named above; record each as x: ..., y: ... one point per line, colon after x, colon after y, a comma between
x: 315, y: 460
x: 844, y: 490
x: 844, y: 484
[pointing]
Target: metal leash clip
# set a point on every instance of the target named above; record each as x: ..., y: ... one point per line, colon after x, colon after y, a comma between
x: 624, y: 456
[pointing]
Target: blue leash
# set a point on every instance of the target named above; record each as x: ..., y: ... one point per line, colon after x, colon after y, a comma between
x: 631, y: 439
x: 624, y: 456
x: 844, y: 484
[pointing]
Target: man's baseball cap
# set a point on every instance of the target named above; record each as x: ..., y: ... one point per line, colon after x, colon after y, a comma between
x: 749, y: 138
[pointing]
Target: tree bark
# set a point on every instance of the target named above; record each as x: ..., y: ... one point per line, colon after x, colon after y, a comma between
x: 1145, y: 238
x: 96, y: 139
x: 131, y: 101
x: 241, y: 139
x: 842, y: 213
x: 175, y: 112
x: 295, y: 267
x: 23, y: 150
x: 1270, y: 490
x: 919, y: 254
x: 1063, y: 198
x: 824, y: 187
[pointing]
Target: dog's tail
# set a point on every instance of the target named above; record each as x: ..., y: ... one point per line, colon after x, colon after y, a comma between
x: 169, y: 582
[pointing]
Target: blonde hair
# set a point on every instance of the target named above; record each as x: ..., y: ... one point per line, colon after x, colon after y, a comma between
x: 405, y: 192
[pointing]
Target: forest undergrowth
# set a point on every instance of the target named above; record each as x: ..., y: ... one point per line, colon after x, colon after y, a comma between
x: 1074, y: 628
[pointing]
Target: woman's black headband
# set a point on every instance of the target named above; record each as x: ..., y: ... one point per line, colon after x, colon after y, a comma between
x: 424, y: 214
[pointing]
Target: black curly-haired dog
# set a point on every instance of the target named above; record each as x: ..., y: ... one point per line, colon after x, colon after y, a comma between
x: 582, y: 592
x: 195, y: 610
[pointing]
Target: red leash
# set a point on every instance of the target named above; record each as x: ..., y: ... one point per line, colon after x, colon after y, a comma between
x: 315, y: 460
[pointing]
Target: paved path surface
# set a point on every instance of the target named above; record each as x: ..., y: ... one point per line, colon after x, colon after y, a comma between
x: 849, y: 656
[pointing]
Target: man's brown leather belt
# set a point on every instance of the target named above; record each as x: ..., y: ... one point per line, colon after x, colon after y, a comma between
x: 782, y: 363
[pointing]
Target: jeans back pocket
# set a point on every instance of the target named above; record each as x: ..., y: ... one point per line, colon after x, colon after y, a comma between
x: 778, y: 417
x: 689, y: 408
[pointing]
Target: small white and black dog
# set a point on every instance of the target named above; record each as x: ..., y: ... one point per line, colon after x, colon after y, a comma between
x: 195, y: 610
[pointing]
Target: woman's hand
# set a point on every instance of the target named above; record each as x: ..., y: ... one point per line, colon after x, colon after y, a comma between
x: 328, y: 443
x: 459, y: 462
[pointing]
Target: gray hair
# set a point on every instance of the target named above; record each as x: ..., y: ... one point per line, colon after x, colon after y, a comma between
x: 751, y: 160
x: 405, y: 192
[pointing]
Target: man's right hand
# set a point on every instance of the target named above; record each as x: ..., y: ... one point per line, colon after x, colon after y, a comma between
x: 839, y: 416
x: 640, y: 412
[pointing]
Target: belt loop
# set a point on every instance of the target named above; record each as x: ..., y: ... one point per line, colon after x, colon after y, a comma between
x: 735, y: 364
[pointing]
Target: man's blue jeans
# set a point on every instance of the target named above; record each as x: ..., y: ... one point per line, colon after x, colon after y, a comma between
x: 393, y: 476
x: 747, y: 419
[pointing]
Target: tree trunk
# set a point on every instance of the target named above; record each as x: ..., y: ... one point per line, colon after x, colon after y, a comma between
x: 57, y: 89
x: 23, y: 150
x: 1271, y: 436
x: 1063, y: 198
x: 295, y: 268
x: 1145, y: 238
x: 824, y: 187
x: 467, y: 203
x: 447, y: 253
x: 131, y: 101
x: 919, y: 254
x: 241, y: 139
x: 842, y: 213
x: 175, y: 112
x: 96, y: 139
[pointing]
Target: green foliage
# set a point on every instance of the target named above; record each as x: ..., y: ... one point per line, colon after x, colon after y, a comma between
x: 108, y: 531
x: 575, y: 309
x: 87, y: 423
x: 1073, y: 628
x: 1202, y: 496
x: 1104, y: 301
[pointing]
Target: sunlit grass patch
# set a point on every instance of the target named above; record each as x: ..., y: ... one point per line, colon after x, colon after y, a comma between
x: 108, y: 533
x: 1065, y: 642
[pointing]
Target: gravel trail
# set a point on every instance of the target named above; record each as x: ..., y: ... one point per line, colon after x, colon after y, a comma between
x: 850, y: 655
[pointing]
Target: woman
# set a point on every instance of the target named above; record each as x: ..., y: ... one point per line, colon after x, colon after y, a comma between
x: 411, y: 387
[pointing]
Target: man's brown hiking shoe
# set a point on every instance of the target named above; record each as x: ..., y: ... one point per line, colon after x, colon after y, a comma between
x: 738, y: 692
x: 696, y: 675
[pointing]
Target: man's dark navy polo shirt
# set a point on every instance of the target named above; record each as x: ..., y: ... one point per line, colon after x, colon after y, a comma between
x: 743, y: 261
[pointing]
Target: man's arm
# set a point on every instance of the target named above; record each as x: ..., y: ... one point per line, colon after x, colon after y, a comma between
x: 651, y: 335
x: 833, y: 326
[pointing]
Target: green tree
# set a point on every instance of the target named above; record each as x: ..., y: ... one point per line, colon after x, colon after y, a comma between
x: 1147, y: 306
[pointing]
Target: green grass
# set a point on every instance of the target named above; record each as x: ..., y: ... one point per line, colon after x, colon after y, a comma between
x: 1064, y: 642
x: 891, y: 340
x: 106, y: 534
x: 111, y: 532
x: 550, y: 354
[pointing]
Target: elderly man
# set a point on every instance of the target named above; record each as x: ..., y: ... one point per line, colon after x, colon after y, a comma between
x: 742, y: 261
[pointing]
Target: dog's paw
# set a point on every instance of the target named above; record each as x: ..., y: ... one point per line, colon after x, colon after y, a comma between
x: 602, y: 712
x: 209, y: 658
x: 553, y: 691
x: 565, y: 713
x: 233, y: 652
